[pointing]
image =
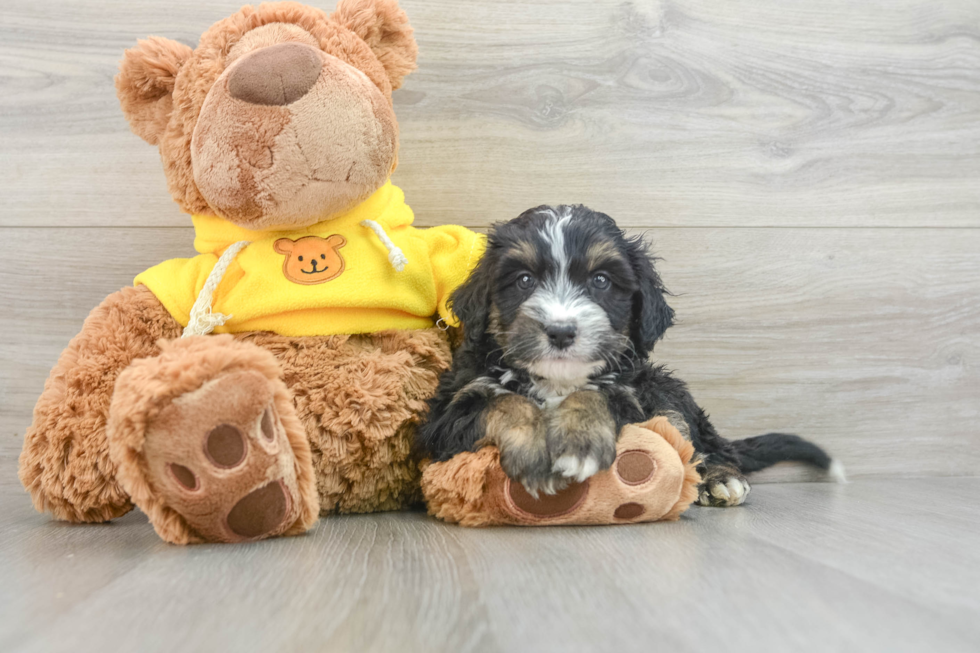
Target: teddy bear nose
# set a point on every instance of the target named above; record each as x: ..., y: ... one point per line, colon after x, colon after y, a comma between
x: 276, y: 75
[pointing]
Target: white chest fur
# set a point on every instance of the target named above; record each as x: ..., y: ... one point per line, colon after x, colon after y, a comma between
x: 553, y: 391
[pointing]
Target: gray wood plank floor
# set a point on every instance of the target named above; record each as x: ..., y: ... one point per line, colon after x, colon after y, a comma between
x: 808, y: 171
x: 876, y: 565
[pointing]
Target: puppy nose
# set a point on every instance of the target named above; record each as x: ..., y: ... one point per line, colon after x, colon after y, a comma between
x: 276, y: 75
x: 561, y: 336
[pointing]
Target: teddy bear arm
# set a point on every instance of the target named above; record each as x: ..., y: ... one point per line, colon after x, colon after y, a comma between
x: 65, y: 462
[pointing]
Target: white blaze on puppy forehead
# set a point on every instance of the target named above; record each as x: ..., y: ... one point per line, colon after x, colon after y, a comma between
x: 554, y: 234
x: 559, y: 300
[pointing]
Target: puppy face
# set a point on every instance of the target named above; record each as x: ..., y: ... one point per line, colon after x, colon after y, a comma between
x: 563, y: 293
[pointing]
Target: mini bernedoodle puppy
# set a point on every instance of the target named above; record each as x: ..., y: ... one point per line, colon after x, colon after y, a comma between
x: 559, y: 320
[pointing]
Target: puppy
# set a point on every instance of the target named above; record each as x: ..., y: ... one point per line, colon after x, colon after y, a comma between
x: 559, y: 320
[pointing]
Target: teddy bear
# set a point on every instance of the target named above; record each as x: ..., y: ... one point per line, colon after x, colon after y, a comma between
x: 280, y: 373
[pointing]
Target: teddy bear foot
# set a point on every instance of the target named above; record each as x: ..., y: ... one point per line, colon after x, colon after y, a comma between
x: 219, y: 457
x: 216, y: 462
x: 653, y: 478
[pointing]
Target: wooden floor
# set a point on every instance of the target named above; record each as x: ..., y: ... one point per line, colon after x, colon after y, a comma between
x: 876, y: 565
x: 808, y: 172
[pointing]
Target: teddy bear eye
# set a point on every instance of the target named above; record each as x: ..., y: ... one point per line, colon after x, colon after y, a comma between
x: 301, y: 259
x: 323, y: 256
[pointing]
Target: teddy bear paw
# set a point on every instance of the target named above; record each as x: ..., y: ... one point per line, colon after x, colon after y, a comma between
x: 220, y: 458
x: 630, y: 490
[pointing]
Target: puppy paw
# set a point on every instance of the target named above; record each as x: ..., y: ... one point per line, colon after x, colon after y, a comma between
x: 581, y: 436
x: 722, y: 487
x: 576, y: 467
x: 516, y: 426
x: 579, y: 455
x: 524, y: 458
x: 530, y: 465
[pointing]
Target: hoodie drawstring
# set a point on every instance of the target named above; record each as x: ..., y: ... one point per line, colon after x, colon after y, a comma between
x: 395, y: 255
x: 202, y: 321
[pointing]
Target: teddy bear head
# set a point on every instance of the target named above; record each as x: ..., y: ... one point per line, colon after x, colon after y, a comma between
x: 282, y: 115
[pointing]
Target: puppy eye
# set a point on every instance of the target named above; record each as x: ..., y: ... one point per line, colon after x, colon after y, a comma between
x: 301, y: 259
x: 600, y: 280
x: 525, y: 281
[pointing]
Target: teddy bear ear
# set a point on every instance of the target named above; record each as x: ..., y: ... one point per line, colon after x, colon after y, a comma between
x: 383, y: 25
x: 145, y: 84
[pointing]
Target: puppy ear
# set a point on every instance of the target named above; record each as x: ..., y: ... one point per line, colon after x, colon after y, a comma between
x: 383, y: 25
x: 145, y: 84
x: 470, y: 302
x: 651, y: 314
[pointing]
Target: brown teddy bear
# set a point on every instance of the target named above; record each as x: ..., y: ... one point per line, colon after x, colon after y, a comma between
x: 277, y: 135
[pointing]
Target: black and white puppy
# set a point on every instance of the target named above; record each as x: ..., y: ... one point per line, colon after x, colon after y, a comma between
x: 559, y: 320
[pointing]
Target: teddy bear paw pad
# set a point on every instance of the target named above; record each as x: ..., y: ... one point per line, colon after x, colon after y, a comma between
x: 220, y: 458
x: 260, y: 511
x: 635, y: 467
x: 562, y: 502
x: 629, y: 511
x: 225, y: 446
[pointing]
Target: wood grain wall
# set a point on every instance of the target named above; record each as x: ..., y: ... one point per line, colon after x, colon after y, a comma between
x: 809, y: 172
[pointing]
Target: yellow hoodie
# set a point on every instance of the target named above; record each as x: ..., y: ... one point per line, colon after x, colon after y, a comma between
x: 330, y: 278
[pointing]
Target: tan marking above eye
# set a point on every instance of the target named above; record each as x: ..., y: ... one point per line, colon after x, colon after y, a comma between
x: 601, y: 255
x: 523, y: 253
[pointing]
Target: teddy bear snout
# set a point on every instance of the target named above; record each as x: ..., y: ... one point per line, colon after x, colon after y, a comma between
x: 276, y: 75
x: 290, y: 135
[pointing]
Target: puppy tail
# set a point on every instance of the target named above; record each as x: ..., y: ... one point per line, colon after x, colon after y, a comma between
x: 763, y: 451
